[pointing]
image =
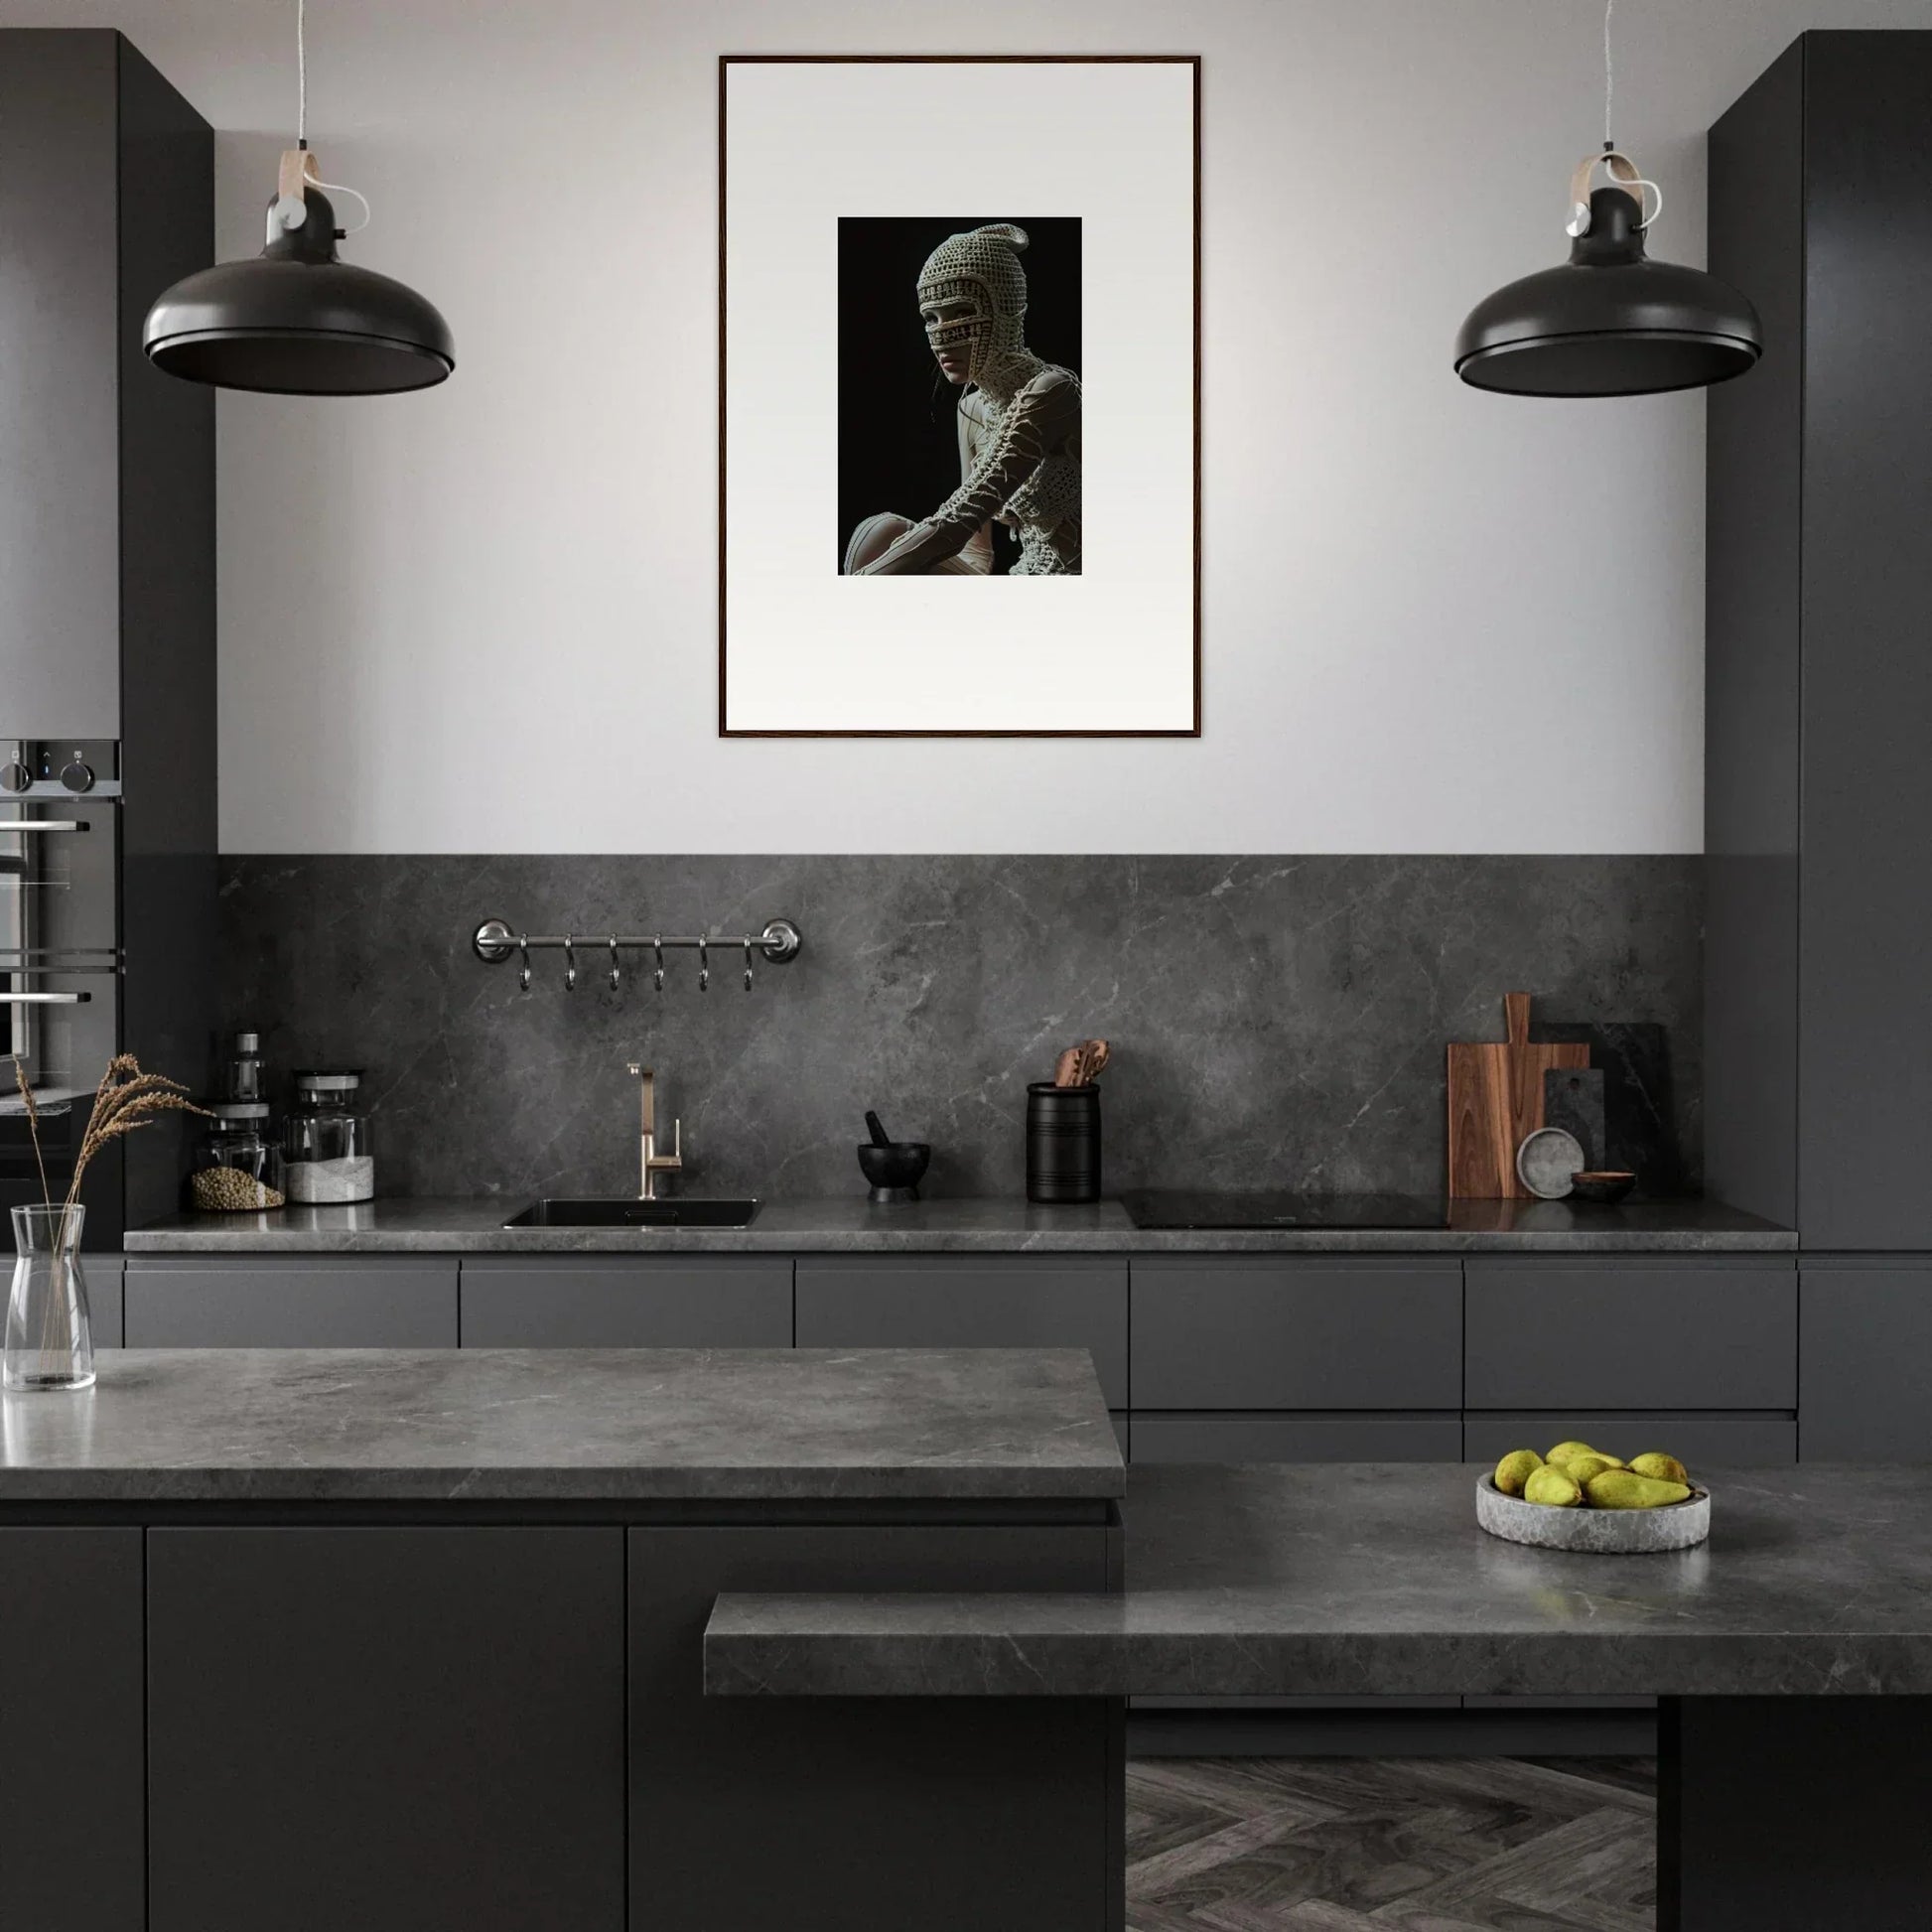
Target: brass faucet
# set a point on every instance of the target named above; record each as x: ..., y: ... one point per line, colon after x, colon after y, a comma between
x: 652, y: 1163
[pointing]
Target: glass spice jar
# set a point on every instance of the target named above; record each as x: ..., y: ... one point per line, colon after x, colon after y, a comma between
x: 331, y: 1158
x: 239, y: 1163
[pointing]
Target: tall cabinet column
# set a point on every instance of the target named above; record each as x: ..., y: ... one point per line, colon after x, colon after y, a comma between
x: 1819, y: 717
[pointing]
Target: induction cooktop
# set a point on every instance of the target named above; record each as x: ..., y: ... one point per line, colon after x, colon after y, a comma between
x: 1157, y: 1208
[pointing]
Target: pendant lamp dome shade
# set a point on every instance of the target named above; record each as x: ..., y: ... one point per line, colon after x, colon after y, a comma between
x: 299, y: 320
x: 1609, y: 322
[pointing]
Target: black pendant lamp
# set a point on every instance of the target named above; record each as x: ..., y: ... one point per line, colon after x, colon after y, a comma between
x: 299, y: 320
x: 1609, y: 322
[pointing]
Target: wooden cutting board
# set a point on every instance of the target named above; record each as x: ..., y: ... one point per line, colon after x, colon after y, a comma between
x: 1495, y: 1099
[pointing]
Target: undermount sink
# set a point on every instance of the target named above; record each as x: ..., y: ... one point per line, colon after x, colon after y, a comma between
x: 618, y: 1212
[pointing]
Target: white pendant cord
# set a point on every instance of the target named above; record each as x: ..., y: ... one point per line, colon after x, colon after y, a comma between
x: 293, y: 217
x: 1609, y: 76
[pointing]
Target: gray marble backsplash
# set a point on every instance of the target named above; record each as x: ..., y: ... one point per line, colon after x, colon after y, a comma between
x: 1276, y: 1022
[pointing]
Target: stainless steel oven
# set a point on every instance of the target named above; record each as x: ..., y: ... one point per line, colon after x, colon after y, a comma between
x: 61, y: 956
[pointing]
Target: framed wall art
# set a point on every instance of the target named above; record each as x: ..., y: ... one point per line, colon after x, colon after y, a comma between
x: 959, y: 397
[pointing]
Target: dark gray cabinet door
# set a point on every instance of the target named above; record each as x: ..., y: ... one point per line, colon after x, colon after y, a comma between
x: 59, y: 515
x: 1865, y: 1375
x: 1551, y: 1334
x: 950, y: 1301
x: 1264, y: 1333
x: 71, y: 1794
x: 835, y: 1814
x: 1735, y: 1441
x: 275, y: 1301
x: 395, y: 1729
x: 623, y: 1302
x: 1169, y: 1438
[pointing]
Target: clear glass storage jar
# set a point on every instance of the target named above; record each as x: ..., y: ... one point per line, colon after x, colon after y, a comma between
x: 239, y: 1163
x: 326, y: 1141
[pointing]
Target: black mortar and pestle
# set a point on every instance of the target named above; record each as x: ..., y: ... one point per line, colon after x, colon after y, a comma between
x: 894, y: 1168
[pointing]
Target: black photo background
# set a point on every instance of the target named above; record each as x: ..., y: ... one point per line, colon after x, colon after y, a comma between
x: 899, y: 440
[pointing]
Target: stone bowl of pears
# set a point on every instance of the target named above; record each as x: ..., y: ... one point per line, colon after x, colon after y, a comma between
x: 1581, y: 1499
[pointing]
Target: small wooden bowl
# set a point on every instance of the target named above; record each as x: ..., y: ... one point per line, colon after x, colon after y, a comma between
x: 1606, y: 1187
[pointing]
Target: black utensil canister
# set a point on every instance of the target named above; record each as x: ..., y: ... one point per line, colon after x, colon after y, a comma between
x: 1063, y: 1143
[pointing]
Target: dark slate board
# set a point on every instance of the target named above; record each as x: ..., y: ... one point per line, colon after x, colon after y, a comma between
x: 1640, y: 1110
x: 1573, y: 1099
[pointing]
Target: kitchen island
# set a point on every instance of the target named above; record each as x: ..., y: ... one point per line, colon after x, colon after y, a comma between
x: 413, y: 1639
x: 1793, y: 1651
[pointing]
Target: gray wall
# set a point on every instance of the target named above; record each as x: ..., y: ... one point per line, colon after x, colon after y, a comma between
x: 1276, y: 1022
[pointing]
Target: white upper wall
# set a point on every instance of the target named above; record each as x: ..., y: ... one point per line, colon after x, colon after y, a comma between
x: 483, y: 619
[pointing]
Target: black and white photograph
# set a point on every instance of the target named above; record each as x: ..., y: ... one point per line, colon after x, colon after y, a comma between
x: 975, y: 416
x: 964, y: 343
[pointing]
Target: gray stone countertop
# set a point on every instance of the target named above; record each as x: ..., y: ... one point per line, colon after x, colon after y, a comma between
x: 1373, y: 1579
x: 963, y: 1226
x: 565, y: 1426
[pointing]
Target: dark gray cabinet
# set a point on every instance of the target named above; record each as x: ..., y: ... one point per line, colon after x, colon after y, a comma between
x: 1169, y: 1437
x: 955, y: 1302
x: 1555, y: 1334
x: 1703, y: 1439
x: 625, y: 1302
x: 1818, y: 683
x: 74, y: 1791
x: 277, y: 1301
x: 1866, y: 1364
x: 408, y: 1729
x: 737, y: 1802
x: 1268, y: 1332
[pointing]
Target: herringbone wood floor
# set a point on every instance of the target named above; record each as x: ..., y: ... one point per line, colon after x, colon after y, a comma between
x: 1391, y: 1844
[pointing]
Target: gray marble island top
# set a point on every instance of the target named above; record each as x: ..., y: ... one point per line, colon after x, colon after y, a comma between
x: 565, y: 1427
x: 1373, y: 1579
x: 853, y: 1225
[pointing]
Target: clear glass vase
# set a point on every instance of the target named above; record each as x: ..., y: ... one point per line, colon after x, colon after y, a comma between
x: 50, y: 1338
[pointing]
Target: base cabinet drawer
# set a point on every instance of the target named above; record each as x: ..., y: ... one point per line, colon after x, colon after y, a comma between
x: 1702, y: 1441
x: 1865, y: 1364
x: 72, y: 1829
x: 271, y: 1301
x: 1297, y: 1439
x: 948, y: 1302
x: 1555, y: 1334
x: 1264, y: 1333
x: 618, y: 1302
x: 399, y: 1729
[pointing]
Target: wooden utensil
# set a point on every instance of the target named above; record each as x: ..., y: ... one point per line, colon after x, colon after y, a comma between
x: 1495, y: 1101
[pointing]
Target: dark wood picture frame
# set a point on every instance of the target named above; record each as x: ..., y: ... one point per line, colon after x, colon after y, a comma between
x: 728, y: 61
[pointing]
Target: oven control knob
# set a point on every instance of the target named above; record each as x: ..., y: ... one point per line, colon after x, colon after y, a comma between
x: 78, y: 777
x: 15, y: 777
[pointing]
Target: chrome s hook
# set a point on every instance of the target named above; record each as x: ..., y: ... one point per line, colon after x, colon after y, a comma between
x: 657, y: 947
x: 523, y: 947
x: 748, y: 965
x: 704, y: 965
x: 570, y: 962
x: 617, y: 971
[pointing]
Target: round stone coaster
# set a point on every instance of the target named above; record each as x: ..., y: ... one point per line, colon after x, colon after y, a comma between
x: 1594, y: 1531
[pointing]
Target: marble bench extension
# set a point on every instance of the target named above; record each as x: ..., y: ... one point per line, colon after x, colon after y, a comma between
x: 1793, y: 1652
x: 1374, y: 1580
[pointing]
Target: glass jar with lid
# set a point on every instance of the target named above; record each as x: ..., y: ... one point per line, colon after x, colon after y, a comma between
x: 326, y: 1139
x: 239, y: 1163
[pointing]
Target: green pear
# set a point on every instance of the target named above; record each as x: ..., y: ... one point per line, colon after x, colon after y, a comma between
x: 1665, y: 1469
x: 1515, y: 1469
x: 1625, y: 1489
x: 1549, y: 1485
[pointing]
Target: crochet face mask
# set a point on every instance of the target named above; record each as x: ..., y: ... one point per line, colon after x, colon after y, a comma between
x: 981, y: 270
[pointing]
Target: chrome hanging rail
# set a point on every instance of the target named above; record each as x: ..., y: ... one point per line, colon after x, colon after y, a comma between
x: 497, y: 940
